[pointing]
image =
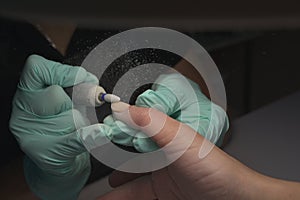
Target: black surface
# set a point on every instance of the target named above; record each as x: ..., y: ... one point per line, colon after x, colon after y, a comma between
x: 267, y: 139
x: 189, y: 14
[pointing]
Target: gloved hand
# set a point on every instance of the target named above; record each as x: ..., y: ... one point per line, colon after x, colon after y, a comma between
x: 181, y: 99
x: 57, y: 164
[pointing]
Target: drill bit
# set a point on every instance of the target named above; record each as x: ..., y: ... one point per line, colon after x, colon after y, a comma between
x: 110, y: 98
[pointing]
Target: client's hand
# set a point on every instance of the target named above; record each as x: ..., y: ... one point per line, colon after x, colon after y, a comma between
x: 181, y: 99
x: 214, y: 176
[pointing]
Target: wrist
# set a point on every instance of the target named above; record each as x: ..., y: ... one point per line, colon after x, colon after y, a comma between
x: 281, y: 189
x: 258, y: 186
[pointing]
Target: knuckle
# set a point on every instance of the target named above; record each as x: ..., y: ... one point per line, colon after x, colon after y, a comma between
x: 55, y: 89
x: 33, y: 65
x: 33, y: 61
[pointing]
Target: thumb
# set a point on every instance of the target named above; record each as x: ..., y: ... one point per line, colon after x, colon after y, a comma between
x: 155, y: 124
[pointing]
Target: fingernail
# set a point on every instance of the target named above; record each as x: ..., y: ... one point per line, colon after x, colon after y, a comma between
x: 119, y: 107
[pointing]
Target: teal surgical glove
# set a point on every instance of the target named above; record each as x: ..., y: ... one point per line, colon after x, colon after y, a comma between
x: 181, y: 99
x: 43, y: 121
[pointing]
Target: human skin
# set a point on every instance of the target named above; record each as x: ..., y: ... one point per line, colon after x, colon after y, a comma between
x: 215, y: 176
x: 220, y: 177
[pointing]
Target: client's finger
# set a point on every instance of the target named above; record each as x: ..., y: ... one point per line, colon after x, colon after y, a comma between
x: 160, y: 127
x: 135, y: 190
x: 118, y: 178
x: 173, y: 136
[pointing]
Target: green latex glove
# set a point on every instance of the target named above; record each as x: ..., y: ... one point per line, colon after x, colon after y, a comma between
x: 43, y: 121
x: 181, y: 99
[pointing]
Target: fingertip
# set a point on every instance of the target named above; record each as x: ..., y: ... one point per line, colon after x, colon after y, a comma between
x: 109, y: 120
x: 32, y: 59
x: 155, y: 124
x: 134, y: 116
x: 149, y: 98
x: 120, y: 107
x: 144, y: 98
x: 95, y: 135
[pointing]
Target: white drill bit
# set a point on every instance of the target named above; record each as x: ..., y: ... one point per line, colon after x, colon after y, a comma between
x: 110, y: 98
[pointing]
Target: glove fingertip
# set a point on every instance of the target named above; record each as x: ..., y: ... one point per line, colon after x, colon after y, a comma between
x: 109, y: 120
x: 95, y: 135
x: 144, y: 145
x: 146, y: 99
x: 151, y: 99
